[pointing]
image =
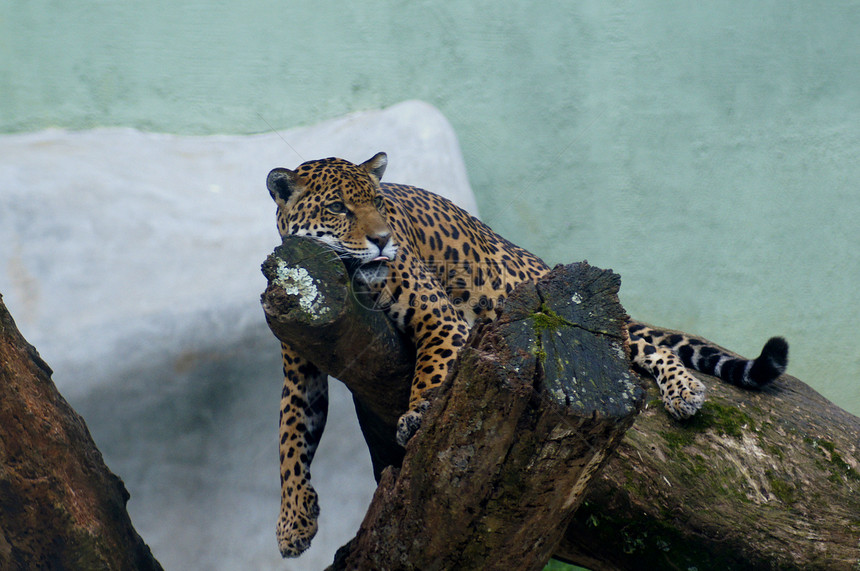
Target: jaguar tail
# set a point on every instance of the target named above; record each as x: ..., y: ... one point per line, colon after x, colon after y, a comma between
x: 702, y: 356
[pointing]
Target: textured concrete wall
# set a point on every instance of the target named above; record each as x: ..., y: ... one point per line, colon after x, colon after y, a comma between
x: 708, y: 152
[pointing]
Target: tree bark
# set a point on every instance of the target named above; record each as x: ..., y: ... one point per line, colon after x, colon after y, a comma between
x: 309, y: 304
x: 756, y: 480
x: 60, y: 506
x: 539, y: 399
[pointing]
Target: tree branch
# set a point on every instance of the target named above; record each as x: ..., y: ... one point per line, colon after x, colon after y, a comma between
x: 60, y: 506
x: 756, y: 480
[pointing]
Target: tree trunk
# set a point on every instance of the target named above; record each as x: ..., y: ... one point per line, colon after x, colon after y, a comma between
x: 756, y: 480
x: 60, y: 506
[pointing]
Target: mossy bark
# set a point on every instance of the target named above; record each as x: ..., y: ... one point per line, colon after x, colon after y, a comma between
x: 60, y: 506
x: 756, y: 480
x: 507, y: 450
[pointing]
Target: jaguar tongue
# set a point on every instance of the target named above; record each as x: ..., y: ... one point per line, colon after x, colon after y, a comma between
x: 381, y: 259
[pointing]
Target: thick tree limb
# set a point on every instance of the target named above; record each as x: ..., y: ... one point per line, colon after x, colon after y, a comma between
x: 60, y: 506
x: 754, y: 481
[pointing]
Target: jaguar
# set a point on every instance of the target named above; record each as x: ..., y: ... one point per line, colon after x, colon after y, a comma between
x: 434, y: 270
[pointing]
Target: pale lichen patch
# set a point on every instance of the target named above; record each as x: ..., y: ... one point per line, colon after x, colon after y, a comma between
x: 298, y: 282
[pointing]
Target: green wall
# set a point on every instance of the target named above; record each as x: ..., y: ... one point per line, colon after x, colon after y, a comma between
x: 706, y: 151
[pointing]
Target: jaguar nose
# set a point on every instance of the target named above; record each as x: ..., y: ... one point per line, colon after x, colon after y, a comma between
x: 379, y: 240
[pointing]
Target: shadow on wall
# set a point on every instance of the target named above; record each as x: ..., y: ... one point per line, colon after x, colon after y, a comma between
x: 198, y: 451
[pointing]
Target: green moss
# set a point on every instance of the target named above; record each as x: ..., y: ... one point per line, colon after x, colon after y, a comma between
x: 556, y: 565
x: 774, y: 451
x: 679, y: 439
x: 547, y: 319
x: 725, y: 420
x: 829, y: 446
x: 700, y: 465
x: 842, y: 466
x: 837, y: 467
x: 80, y: 549
x: 693, y: 468
x: 782, y: 489
x: 630, y: 482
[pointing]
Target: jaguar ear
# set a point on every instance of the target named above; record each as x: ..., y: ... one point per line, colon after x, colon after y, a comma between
x: 282, y: 184
x: 376, y: 165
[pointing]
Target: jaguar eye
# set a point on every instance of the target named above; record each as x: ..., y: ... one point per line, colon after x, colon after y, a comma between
x: 337, y: 208
x: 377, y: 202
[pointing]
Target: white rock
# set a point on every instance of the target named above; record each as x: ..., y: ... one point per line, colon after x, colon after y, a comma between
x: 131, y: 261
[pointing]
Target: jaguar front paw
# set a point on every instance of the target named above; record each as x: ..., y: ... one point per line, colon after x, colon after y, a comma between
x: 297, y: 524
x: 410, y: 421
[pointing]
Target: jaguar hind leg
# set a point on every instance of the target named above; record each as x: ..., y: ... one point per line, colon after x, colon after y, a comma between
x: 682, y: 393
x: 700, y: 355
